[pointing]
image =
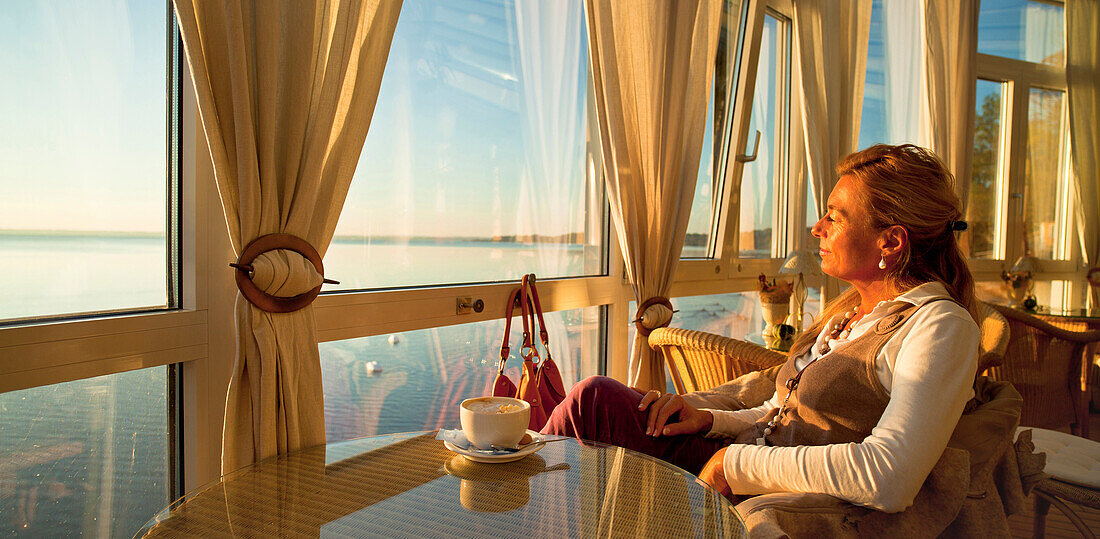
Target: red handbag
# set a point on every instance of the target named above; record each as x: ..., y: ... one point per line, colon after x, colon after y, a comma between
x: 541, y: 383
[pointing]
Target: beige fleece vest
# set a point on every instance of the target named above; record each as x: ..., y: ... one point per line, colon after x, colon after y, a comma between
x: 839, y: 398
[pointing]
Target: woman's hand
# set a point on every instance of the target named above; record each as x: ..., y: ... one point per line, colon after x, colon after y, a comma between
x: 662, y: 406
x: 714, y: 473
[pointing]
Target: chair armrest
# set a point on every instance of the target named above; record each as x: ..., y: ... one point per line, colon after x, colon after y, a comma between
x: 699, y: 361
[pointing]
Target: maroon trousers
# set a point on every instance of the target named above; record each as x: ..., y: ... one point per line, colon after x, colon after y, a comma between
x: 604, y: 410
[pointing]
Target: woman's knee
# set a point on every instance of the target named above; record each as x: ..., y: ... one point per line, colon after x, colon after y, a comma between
x: 598, y: 387
x: 603, y: 392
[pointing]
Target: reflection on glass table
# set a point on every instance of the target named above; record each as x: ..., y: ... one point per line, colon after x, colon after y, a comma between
x: 408, y: 485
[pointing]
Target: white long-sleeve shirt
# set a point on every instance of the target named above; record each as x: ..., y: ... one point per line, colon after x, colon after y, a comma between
x: 928, y: 369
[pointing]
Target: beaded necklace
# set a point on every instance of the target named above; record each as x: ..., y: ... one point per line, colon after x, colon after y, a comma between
x: 841, y: 330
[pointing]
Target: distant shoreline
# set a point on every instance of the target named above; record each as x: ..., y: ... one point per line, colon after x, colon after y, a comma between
x: 570, y: 239
x: 529, y: 239
x: 573, y: 238
x: 80, y: 234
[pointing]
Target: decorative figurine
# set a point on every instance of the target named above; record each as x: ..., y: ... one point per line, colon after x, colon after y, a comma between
x: 775, y: 304
x: 1017, y: 286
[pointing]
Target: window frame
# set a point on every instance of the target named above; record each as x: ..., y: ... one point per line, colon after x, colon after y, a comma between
x: 1018, y: 77
x: 727, y: 272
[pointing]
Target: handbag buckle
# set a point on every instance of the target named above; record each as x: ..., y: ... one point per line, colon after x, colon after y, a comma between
x: 528, y: 351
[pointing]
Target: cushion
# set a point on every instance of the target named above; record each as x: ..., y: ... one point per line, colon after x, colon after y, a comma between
x: 1070, y: 458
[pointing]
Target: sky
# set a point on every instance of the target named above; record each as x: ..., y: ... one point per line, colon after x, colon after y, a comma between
x: 480, y: 127
x: 82, y: 115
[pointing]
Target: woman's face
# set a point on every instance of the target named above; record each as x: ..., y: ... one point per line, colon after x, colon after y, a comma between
x: 850, y: 248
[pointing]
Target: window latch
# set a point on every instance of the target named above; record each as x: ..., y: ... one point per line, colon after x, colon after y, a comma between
x: 745, y: 158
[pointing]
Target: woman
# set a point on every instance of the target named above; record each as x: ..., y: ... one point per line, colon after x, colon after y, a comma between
x: 877, y: 385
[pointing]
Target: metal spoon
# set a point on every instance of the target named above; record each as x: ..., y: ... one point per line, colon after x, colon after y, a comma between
x: 514, y: 449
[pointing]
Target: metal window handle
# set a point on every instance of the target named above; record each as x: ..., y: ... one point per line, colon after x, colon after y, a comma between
x: 1019, y: 199
x: 745, y: 158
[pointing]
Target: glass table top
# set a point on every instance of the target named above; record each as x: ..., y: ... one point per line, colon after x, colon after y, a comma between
x: 1088, y: 314
x: 411, y: 485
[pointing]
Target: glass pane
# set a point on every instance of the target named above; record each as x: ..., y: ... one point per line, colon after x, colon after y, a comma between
x: 1028, y: 30
x: 1043, y: 190
x: 712, y: 158
x: 697, y: 242
x: 88, y: 457
x: 732, y: 315
x: 83, y: 183
x: 891, y: 91
x: 759, y: 177
x: 475, y: 166
x: 985, y: 179
x: 415, y: 381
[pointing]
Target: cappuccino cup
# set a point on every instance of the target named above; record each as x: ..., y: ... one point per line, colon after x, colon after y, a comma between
x: 498, y: 421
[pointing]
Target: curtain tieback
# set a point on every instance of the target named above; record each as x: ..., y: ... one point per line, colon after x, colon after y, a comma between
x: 653, y: 313
x: 284, y: 289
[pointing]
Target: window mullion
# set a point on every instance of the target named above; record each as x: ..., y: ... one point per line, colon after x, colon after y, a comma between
x: 1011, y: 244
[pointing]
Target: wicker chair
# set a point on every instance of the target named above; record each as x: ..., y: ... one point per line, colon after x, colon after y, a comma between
x: 743, y: 374
x: 1045, y: 364
x: 699, y: 361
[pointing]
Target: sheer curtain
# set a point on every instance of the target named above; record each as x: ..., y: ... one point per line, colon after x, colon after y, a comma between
x: 902, y: 70
x: 286, y: 91
x: 552, y: 96
x: 951, y: 44
x: 652, y: 65
x: 831, y: 63
x: 1082, y: 72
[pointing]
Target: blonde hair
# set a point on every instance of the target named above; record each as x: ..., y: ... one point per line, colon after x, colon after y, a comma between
x: 908, y: 186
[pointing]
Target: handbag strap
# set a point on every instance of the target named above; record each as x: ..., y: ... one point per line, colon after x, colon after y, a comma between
x: 528, y: 351
x: 504, y: 348
x: 544, y: 336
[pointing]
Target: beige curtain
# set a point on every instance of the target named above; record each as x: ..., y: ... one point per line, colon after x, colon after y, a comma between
x: 830, y: 63
x: 652, y: 64
x: 951, y: 48
x: 1082, y: 76
x: 285, y: 90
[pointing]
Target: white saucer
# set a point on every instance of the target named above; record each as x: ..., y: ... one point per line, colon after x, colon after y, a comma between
x: 481, y: 455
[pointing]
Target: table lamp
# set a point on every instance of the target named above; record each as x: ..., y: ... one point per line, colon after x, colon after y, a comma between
x: 800, y: 263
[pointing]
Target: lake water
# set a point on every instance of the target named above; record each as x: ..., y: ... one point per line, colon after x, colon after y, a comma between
x: 90, y: 456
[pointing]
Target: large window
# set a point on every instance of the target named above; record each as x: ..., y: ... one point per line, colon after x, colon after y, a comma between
x: 476, y: 166
x: 1020, y: 195
x: 480, y: 166
x: 83, y: 183
x: 88, y: 196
